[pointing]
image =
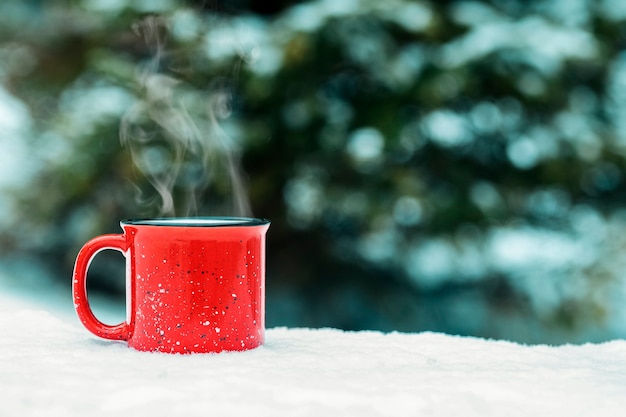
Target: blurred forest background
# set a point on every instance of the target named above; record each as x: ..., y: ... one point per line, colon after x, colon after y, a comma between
x: 453, y: 166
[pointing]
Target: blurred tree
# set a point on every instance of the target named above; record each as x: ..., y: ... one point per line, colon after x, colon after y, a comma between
x: 453, y: 166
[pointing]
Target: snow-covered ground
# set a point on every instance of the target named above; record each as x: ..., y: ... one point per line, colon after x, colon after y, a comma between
x: 51, y: 366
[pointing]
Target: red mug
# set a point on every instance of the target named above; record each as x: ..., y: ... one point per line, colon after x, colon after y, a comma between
x: 194, y: 285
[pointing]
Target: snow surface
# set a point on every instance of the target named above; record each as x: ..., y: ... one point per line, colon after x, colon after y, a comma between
x: 51, y: 366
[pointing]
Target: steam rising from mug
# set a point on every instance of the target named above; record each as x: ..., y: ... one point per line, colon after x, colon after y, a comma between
x: 176, y: 139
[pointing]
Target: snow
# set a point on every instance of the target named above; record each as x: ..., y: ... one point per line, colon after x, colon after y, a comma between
x: 50, y: 365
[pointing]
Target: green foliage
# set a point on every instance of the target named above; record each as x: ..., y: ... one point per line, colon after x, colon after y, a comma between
x: 452, y: 166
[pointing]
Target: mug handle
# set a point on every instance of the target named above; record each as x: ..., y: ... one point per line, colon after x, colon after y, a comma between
x: 79, y: 287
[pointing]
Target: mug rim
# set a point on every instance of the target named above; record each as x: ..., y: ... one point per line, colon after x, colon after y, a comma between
x: 196, y: 221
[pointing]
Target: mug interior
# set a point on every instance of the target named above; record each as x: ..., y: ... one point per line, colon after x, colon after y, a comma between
x: 197, y: 221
